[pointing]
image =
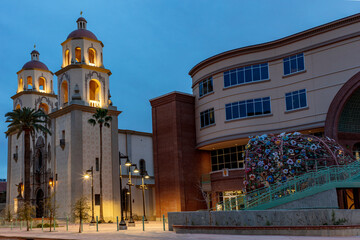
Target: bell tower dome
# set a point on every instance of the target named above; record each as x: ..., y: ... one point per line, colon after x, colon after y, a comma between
x: 83, y: 70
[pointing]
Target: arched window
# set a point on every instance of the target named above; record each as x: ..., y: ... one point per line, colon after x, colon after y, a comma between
x: 21, y: 85
x: 18, y: 106
x: 67, y: 57
x: 92, y: 56
x: 64, y: 93
x: 78, y: 54
x: 42, y: 84
x: 94, y: 93
x: 29, y: 82
x: 44, y: 107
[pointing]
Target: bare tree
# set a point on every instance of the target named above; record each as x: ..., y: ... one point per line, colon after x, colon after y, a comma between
x: 51, y: 206
x: 80, y: 210
x: 206, y: 199
x: 25, y: 211
x: 8, y: 213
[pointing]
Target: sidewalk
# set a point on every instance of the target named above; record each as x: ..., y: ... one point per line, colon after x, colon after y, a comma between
x: 153, y: 230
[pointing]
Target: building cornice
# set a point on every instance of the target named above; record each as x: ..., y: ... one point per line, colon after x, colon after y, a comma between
x: 90, y: 39
x: 132, y: 132
x: 26, y: 92
x: 71, y: 66
x: 276, y: 43
x: 172, y: 96
x: 39, y: 69
x: 73, y: 107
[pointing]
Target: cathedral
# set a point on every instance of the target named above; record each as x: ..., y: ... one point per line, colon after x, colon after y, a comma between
x: 59, y: 160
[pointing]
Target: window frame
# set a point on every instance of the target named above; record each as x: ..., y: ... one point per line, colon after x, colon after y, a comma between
x: 288, y: 59
x: 291, y: 95
x: 206, y: 81
x: 247, y: 72
x: 223, y: 158
x: 237, y: 109
x: 203, y: 116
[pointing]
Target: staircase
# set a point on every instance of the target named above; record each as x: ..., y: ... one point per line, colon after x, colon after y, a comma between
x: 310, y: 183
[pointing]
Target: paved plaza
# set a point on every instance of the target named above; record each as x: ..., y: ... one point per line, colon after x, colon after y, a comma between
x: 153, y: 230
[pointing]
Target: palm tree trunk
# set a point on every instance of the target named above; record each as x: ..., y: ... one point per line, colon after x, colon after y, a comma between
x: 101, y: 190
x: 27, y: 173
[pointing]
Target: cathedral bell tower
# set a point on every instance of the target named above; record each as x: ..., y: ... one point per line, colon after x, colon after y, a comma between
x: 34, y: 90
x: 83, y: 78
x: 83, y: 86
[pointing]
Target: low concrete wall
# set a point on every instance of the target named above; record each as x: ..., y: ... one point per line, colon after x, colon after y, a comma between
x: 326, y: 199
x: 308, y: 217
x: 329, y: 231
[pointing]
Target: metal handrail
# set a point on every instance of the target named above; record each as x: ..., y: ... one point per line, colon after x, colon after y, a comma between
x: 298, y: 184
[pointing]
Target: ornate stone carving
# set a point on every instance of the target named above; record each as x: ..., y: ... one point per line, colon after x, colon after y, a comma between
x: 89, y: 76
x: 17, y: 101
x: 40, y: 100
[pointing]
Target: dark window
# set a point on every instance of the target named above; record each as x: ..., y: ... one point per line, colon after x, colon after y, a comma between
x: 207, y: 117
x: 296, y: 100
x: 248, y: 108
x: 205, y: 87
x: 97, y: 199
x: 227, y: 158
x: 97, y: 168
x: 142, y: 166
x: 246, y: 74
x: 294, y: 64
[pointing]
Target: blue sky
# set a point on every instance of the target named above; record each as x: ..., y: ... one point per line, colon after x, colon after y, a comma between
x: 150, y: 45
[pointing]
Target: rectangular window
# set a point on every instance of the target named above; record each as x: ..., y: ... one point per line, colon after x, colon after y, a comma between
x: 294, y: 64
x: 248, y: 108
x: 228, y: 158
x: 295, y: 100
x: 97, y: 199
x: 205, y: 86
x: 97, y: 168
x: 246, y: 74
x: 207, y: 117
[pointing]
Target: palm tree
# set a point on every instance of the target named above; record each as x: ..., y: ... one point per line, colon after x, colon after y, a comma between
x: 27, y: 121
x: 102, y: 119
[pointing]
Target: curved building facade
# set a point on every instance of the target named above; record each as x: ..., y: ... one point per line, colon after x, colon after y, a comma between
x: 307, y: 82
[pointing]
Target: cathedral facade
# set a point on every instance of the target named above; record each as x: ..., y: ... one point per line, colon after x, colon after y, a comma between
x: 59, y: 160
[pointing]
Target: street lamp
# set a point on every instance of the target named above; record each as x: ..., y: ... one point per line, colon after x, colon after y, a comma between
x: 136, y: 170
x: 87, y: 176
x: 122, y: 224
x: 145, y: 175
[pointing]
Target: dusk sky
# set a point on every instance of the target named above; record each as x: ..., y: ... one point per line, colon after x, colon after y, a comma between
x: 150, y: 45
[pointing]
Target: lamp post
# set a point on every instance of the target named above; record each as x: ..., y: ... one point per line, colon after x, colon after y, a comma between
x: 122, y: 224
x: 136, y: 170
x: 87, y: 176
x: 144, y: 174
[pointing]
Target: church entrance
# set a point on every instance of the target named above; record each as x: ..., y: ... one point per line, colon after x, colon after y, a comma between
x: 39, y: 203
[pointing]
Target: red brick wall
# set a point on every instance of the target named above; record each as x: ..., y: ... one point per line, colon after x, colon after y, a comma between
x: 177, y: 172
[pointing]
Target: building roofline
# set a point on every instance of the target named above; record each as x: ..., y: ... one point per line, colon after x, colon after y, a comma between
x: 126, y: 131
x: 172, y: 96
x: 167, y: 94
x: 276, y: 43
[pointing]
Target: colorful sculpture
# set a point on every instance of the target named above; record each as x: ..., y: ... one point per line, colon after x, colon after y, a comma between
x: 274, y: 159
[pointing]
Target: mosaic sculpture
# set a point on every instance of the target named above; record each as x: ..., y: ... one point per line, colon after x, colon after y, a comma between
x: 274, y: 159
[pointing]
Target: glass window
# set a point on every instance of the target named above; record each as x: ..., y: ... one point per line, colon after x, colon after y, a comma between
x: 295, y: 100
x: 227, y: 158
x: 248, y: 108
x: 207, y: 117
x: 205, y: 87
x: 294, y: 64
x: 246, y: 74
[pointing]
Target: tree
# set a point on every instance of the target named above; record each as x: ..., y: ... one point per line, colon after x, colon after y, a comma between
x: 8, y: 213
x: 25, y: 211
x: 102, y: 119
x: 80, y: 210
x: 28, y: 121
x: 51, y: 206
